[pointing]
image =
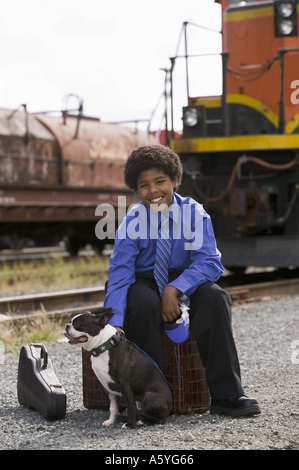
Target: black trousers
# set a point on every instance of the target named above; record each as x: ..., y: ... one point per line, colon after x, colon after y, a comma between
x: 210, y: 320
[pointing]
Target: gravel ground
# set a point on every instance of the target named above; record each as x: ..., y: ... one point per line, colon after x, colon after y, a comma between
x: 267, y: 338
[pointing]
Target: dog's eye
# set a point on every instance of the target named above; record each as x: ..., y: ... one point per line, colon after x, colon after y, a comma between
x: 77, y: 324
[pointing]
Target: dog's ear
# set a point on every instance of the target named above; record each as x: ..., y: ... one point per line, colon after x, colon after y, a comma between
x: 103, y: 315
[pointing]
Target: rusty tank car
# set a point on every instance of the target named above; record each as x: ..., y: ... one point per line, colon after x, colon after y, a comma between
x: 54, y: 172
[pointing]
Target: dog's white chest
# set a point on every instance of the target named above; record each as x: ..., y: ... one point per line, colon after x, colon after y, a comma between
x: 100, y: 366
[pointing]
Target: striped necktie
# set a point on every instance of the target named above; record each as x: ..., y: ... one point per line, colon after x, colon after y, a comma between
x: 163, y: 253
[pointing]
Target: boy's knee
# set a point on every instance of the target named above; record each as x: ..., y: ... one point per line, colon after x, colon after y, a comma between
x: 143, y: 301
x: 220, y: 295
x: 210, y: 301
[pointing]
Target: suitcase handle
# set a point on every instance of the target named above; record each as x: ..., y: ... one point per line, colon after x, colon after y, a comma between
x: 43, y: 353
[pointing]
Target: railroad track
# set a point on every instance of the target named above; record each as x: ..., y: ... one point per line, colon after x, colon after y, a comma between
x: 69, y: 302
x: 58, y: 303
x: 44, y: 253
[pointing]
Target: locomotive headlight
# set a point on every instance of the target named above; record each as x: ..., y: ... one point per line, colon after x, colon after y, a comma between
x: 286, y: 9
x: 286, y: 27
x: 190, y: 117
x: 285, y: 18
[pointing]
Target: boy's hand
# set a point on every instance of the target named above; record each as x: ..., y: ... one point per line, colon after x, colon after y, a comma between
x: 119, y: 330
x: 170, y: 309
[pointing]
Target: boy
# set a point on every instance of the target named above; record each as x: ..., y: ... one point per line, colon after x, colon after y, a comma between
x: 143, y: 311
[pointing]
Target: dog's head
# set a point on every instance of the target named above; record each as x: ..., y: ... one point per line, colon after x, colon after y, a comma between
x: 83, y: 328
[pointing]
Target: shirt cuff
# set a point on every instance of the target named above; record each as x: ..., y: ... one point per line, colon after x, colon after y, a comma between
x: 184, y: 286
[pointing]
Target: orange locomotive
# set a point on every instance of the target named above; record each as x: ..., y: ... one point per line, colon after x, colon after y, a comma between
x: 240, y: 150
x: 263, y: 67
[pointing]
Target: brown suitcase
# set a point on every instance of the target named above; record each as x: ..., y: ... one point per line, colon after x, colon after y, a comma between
x: 191, y: 397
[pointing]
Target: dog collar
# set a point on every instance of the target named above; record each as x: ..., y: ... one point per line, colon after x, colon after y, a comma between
x: 110, y: 343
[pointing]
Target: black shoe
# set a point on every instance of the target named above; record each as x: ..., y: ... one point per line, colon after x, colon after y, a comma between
x: 241, y: 406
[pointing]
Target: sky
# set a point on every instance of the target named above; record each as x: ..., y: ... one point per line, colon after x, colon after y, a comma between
x: 108, y: 52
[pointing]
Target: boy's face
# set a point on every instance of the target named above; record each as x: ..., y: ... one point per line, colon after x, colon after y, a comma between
x: 154, y: 188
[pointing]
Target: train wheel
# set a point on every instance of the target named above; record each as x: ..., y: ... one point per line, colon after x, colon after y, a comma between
x: 99, y: 246
x: 237, y: 270
x: 73, y: 245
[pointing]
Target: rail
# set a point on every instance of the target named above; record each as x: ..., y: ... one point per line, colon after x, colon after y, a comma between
x: 69, y: 302
x: 58, y: 303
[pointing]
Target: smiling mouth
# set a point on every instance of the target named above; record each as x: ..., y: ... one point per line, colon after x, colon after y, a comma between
x: 156, y: 200
x: 80, y: 339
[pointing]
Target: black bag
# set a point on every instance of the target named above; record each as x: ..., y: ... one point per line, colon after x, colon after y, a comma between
x: 38, y: 386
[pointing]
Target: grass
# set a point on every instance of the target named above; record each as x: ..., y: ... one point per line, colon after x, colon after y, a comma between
x: 41, y: 329
x: 52, y: 274
x: 42, y: 276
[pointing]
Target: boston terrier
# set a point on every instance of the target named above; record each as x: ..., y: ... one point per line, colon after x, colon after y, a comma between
x: 122, y: 369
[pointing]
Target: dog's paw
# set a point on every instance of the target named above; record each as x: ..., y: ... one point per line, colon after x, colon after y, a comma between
x: 128, y: 426
x: 108, y: 422
x: 140, y: 423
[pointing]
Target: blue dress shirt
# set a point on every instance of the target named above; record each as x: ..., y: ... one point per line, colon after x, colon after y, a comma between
x: 194, y: 251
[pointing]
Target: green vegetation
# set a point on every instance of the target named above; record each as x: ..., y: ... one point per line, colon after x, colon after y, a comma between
x: 24, y: 277
x: 40, y: 329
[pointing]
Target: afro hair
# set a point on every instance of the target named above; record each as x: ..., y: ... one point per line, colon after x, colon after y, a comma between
x: 152, y: 156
